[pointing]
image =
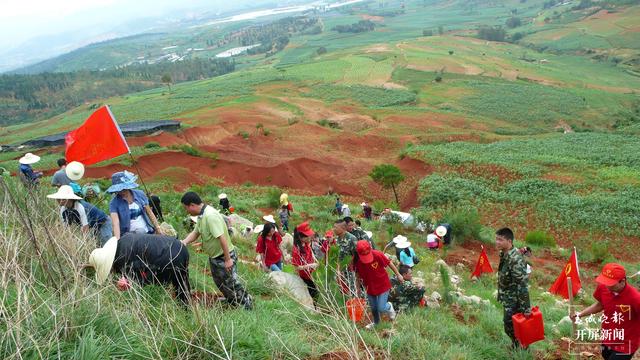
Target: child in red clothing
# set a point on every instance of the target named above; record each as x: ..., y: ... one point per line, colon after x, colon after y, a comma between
x: 302, y: 257
x: 370, y: 265
x: 268, y: 248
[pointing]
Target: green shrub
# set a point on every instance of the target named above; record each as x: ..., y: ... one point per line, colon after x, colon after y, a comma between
x: 600, y: 251
x: 539, y: 237
x: 244, y: 134
x: 273, y: 197
x: 465, y: 224
x: 151, y: 145
x: 446, y: 285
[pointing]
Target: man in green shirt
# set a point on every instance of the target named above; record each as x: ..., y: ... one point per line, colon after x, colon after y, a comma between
x: 216, y: 243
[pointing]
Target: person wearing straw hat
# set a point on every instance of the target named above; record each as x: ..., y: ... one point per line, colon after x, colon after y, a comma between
x: 366, y: 210
x: 27, y: 175
x: 224, y: 203
x: 146, y: 259
x: 346, y: 212
x: 619, y: 303
x: 75, y: 211
x: 60, y: 177
x: 406, y: 254
x: 394, y: 241
x: 129, y: 208
x: 211, y: 228
x: 370, y: 265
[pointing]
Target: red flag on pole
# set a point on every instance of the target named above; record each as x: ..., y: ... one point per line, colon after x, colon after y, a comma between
x: 98, y: 139
x: 483, y: 265
x: 572, y: 271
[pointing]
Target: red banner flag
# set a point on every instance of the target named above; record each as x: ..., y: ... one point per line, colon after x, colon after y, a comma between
x: 98, y: 139
x: 483, y: 265
x: 572, y: 271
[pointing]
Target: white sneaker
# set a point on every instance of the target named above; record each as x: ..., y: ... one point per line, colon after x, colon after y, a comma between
x: 370, y: 326
x: 392, y: 312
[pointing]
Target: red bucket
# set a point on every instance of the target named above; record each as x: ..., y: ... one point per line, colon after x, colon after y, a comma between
x: 529, y: 330
x: 355, y: 308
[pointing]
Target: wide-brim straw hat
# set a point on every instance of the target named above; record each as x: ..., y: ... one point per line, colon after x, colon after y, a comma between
x: 403, y: 245
x: 258, y: 229
x: 65, y: 192
x: 29, y: 159
x: 74, y: 170
x: 102, y: 259
x: 269, y: 218
x: 222, y: 196
x: 369, y: 234
x: 399, y: 239
x: 441, y: 231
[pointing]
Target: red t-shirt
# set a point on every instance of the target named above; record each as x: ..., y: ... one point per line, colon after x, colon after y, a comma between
x: 298, y: 259
x: 271, y: 247
x: 621, y: 318
x: 374, y: 275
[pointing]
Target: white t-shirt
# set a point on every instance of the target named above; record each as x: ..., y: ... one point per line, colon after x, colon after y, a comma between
x: 137, y: 224
x: 80, y: 209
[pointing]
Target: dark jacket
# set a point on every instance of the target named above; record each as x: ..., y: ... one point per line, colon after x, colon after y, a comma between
x: 150, y: 258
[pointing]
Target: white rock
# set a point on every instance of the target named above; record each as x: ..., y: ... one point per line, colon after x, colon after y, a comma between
x: 294, y: 286
x: 475, y: 299
x: 441, y: 262
x: 486, y: 302
x: 435, y: 296
x: 495, y: 294
x: 455, y: 279
x: 565, y: 320
x: 433, y: 304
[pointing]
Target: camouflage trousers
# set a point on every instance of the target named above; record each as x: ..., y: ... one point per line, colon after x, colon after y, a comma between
x: 509, y: 311
x: 229, y: 283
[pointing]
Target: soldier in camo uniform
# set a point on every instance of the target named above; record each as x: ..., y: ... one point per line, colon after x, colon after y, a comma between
x: 405, y: 294
x: 354, y: 229
x: 347, y: 245
x: 513, y: 292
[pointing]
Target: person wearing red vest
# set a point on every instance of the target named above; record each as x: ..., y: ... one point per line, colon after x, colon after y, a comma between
x: 620, y: 306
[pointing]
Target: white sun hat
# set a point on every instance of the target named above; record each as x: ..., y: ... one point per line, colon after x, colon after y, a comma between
x: 369, y: 234
x: 102, y: 259
x: 363, y: 203
x: 399, y: 239
x: 74, y: 170
x: 65, y: 192
x: 258, y: 229
x: 29, y: 159
x: 222, y: 196
x: 345, y: 206
x: 269, y: 218
x: 403, y: 245
x: 441, y: 231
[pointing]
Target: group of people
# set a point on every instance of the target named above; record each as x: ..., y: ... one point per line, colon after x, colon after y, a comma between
x: 134, y: 245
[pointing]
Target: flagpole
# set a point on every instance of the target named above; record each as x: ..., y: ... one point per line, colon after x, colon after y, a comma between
x: 135, y: 164
x: 574, y: 327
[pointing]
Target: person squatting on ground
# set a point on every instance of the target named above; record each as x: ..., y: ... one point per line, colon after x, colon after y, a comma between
x: 224, y: 203
x: 405, y: 253
x: 27, y: 175
x: 366, y: 211
x: 619, y: 303
x: 268, y: 248
x: 75, y: 211
x: 370, y: 265
x: 146, y: 259
x: 216, y: 243
x: 303, y: 259
x: 129, y: 208
x: 513, y: 292
x: 404, y: 293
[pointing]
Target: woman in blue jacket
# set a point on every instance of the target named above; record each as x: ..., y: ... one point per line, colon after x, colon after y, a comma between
x: 129, y: 208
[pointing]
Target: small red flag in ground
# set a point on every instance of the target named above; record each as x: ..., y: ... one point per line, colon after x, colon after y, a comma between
x: 483, y: 265
x: 572, y: 271
x: 98, y: 139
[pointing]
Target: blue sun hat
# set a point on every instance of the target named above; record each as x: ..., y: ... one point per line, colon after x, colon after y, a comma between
x: 122, y: 180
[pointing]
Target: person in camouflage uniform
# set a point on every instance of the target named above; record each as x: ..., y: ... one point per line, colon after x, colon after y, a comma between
x: 405, y: 294
x: 513, y: 292
x: 354, y: 229
x: 347, y: 245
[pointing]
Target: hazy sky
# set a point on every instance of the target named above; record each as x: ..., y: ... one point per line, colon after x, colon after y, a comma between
x: 21, y: 20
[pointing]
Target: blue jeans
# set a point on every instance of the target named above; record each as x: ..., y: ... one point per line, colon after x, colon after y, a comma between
x: 276, y: 267
x: 379, y: 304
x: 105, y: 232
